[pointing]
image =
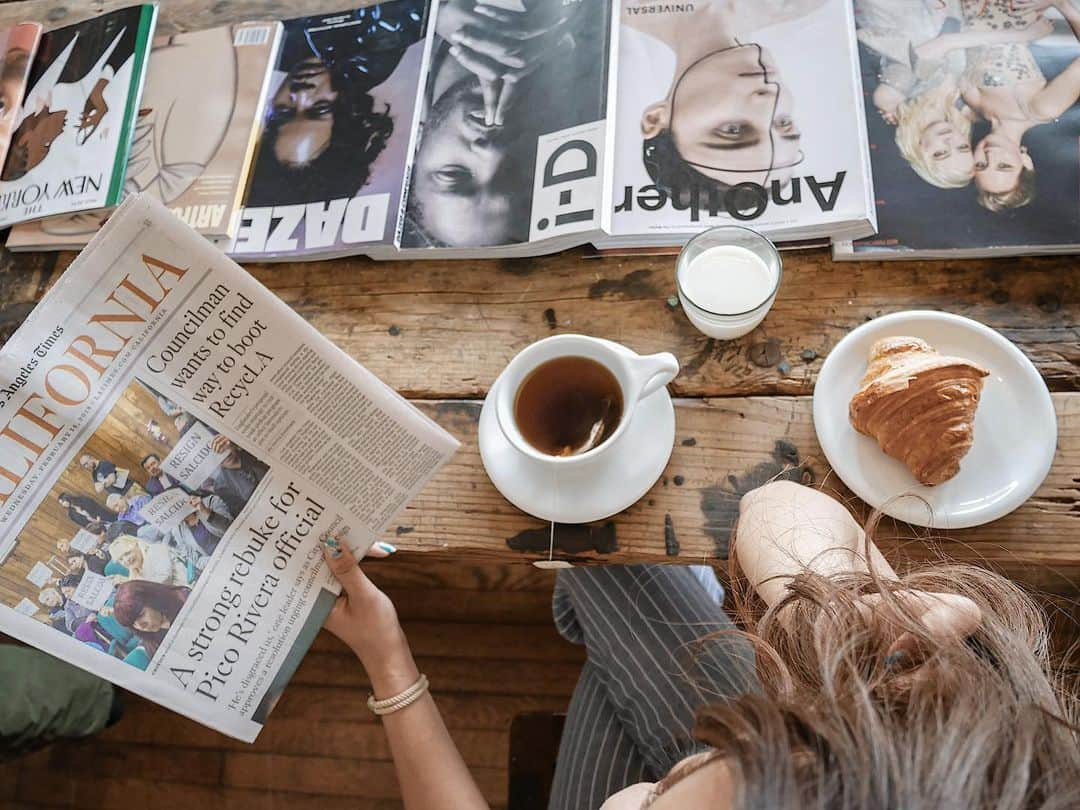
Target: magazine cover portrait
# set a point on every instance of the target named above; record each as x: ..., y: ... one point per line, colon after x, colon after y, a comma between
x: 17, y: 46
x: 335, y: 132
x: 974, y: 123
x: 111, y: 554
x: 500, y: 82
x: 725, y: 115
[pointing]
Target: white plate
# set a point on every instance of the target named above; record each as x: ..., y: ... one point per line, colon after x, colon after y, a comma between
x: 1015, y: 426
x: 615, y: 481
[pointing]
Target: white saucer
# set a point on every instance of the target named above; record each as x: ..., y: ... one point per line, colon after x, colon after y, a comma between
x: 614, y: 481
x: 1015, y: 426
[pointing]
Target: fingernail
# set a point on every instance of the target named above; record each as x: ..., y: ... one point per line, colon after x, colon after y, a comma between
x: 387, y: 547
x: 332, y: 545
x: 455, y: 50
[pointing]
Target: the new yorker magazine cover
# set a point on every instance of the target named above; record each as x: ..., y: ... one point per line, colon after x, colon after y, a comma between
x: 70, y: 146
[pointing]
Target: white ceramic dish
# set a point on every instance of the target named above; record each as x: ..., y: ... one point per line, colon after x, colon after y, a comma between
x: 581, y: 494
x: 1015, y: 426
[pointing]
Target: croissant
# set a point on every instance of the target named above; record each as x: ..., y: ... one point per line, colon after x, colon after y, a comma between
x: 919, y: 405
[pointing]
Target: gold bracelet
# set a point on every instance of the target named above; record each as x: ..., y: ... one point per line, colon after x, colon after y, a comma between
x: 399, y: 701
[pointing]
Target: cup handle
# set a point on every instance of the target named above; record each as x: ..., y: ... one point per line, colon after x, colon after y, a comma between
x: 655, y: 371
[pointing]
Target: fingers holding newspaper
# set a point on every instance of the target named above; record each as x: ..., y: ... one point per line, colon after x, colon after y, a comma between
x: 365, y: 619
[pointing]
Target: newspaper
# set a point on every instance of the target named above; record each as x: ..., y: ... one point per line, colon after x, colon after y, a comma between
x: 201, y: 595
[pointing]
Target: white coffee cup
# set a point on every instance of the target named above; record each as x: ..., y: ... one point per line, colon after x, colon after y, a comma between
x: 638, y: 376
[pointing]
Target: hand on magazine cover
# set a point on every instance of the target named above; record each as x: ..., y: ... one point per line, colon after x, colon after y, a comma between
x: 363, y: 616
x: 94, y: 110
x: 502, y: 47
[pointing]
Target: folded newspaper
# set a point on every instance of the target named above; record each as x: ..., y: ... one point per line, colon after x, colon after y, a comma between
x: 173, y: 441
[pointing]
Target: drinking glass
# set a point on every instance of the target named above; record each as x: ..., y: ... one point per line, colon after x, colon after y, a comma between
x: 710, y: 318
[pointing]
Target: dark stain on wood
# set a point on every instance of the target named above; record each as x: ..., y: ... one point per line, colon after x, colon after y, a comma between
x: 400, y: 530
x: 56, y: 13
x: 634, y: 284
x: 11, y: 318
x: 671, y: 542
x: 549, y: 318
x: 570, y: 538
x: 764, y: 354
x: 458, y: 409
x: 1048, y: 302
x: 679, y: 480
x: 999, y: 297
x: 720, y: 503
x: 689, y: 441
x: 394, y: 331
x: 519, y: 266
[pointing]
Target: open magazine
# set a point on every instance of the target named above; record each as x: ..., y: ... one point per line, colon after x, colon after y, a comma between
x: 174, y: 441
x: 973, y: 118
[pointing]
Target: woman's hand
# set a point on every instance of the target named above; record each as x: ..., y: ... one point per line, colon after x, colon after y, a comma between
x: 366, y: 620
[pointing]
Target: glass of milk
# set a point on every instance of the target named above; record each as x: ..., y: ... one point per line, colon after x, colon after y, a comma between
x: 727, y: 279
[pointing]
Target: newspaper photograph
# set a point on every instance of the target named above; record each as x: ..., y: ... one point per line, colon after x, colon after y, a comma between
x: 173, y: 442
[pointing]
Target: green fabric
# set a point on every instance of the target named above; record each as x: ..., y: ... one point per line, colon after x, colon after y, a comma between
x: 42, y: 699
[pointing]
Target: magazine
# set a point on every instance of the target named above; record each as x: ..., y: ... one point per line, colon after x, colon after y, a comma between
x: 73, y: 133
x: 194, y: 140
x: 973, y: 117
x: 174, y: 441
x: 737, y: 112
x: 511, y: 147
x: 336, y: 134
x: 413, y: 129
x: 18, y: 44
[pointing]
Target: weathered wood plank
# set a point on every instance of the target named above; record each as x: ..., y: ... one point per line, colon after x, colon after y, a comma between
x: 436, y: 330
x: 723, y: 448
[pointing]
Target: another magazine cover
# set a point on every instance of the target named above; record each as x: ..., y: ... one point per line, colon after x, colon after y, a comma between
x: 973, y: 117
x: 737, y: 112
x: 18, y: 45
x: 194, y: 136
x: 511, y: 144
x: 336, y: 134
x: 72, y: 137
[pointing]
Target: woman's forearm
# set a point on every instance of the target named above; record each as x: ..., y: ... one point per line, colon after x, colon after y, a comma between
x: 430, y: 770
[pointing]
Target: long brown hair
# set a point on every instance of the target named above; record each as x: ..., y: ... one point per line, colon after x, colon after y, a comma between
x: 843, y: 722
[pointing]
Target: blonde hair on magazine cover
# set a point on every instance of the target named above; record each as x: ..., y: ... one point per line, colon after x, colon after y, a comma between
x: 914, y: 116
x: 1016, y: 197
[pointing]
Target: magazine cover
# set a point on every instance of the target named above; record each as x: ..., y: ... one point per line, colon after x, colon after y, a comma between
x: 173, y: 442
x: 194, y: 136
x: 336, y: 133
x: 972, y: 112
x: 511, y: 143
x: 738, y: 111
x: 72, y: 136
x: 18, y: 44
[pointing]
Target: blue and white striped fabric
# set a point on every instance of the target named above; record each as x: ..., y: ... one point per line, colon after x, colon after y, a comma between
x: 657, y: 652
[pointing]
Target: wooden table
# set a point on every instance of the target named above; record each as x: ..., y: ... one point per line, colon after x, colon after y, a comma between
x: 441, y: 331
